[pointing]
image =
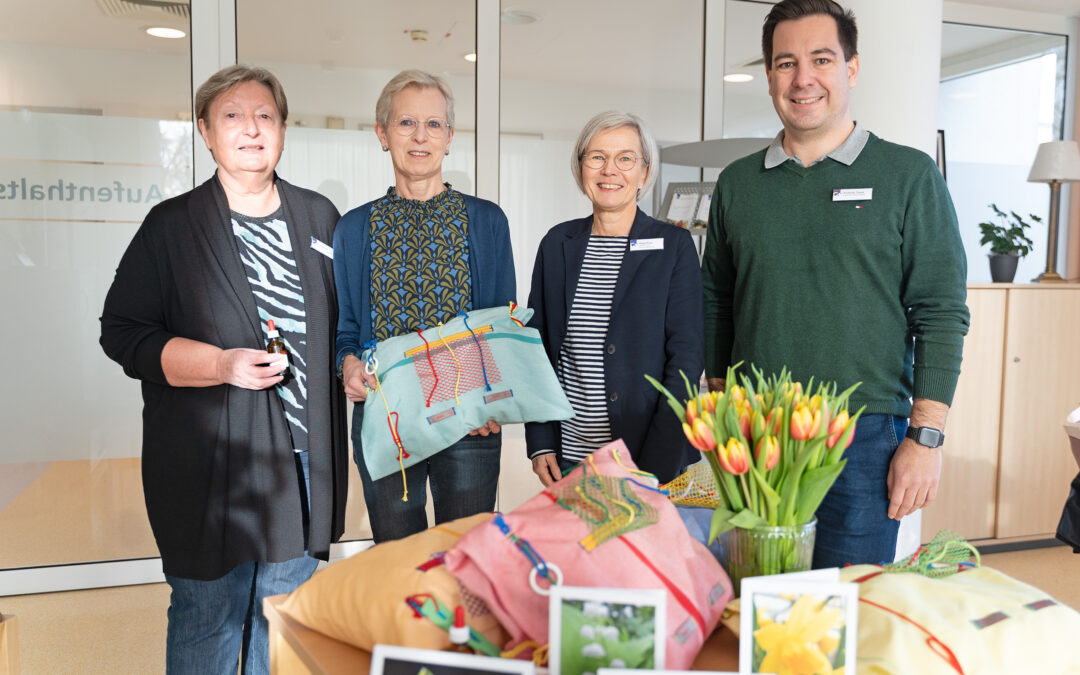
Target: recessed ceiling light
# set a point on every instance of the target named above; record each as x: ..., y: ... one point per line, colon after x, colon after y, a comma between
x: 470, y: 57
x: 738, y: 77
x: 518, y: 16
x: 164, y: 32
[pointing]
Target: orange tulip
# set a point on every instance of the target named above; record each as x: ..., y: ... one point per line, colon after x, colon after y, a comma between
x: 837, y: 428
x: 708, y: 401
x: 757, y: 424
x: 700, y: 436
x: 734, y: 457
x: 774, y: 421
x: 771, y: 447
x: 804, y: 423
x: 743, y: 411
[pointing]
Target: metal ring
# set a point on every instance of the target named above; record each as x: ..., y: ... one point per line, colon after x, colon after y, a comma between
x: 553, y: 569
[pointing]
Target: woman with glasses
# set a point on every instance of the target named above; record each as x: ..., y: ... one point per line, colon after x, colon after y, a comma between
x: 419, y: 255
x: 617, y: 295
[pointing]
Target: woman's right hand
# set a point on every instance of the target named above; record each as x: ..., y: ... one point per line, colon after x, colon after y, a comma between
x: 249, y: 369
x: 356, y: 378
x: 547, y: 468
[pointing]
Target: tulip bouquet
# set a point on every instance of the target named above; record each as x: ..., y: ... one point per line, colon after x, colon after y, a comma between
x: 775, y: 448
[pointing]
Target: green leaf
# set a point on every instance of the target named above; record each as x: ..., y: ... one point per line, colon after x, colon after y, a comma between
x: 721, y: 523
x: 679, y: 408
x: 813, y: 487
x: 772, y: 499
x: 748, y: 520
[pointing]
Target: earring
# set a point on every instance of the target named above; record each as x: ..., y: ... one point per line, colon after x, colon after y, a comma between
x: 448, y: 151
x: 386, y: 148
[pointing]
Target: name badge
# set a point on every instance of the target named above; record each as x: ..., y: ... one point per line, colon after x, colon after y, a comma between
x: 646, y: 244
x: 322, y: 248
x: 852, y: 194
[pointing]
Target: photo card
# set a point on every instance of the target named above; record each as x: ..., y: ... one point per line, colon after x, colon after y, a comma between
x: 788, y: 625
x: 389, y: 660
x: 593, y: 628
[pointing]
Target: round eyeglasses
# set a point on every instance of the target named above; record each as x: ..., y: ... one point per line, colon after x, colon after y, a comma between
x: 406, y: 125
x: 624, y: 161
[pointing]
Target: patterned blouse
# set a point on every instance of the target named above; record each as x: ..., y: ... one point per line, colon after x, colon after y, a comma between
x: 266, y: 249
x: 419, y: 262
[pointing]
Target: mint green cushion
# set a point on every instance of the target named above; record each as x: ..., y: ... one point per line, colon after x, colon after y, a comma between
x: 497, y: 371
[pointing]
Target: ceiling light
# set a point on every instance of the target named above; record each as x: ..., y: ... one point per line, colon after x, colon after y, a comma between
x: 738, y: 77
x: 470, y: 57
x: 518, y: 17
x: 164, y: 32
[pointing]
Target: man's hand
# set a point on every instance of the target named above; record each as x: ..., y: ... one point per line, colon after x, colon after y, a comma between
x: 492, y: 427
x: 716, y: 384
x: 916, y: 469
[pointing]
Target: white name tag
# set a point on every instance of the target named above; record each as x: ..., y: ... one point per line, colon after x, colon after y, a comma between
x: 852, y: 194
x: 646, y: 244
x: 322, y: 248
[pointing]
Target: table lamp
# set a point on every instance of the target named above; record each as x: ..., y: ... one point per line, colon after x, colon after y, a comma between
x: 1055, y: 163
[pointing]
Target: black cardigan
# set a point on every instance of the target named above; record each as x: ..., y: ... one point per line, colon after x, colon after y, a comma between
x: 656, y: 327
x: 219, y: 477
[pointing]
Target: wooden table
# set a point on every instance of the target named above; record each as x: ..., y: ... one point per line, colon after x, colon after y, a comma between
x: 295, y: 648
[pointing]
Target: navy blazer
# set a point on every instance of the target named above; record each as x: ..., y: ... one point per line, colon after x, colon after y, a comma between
x: 656, y: 328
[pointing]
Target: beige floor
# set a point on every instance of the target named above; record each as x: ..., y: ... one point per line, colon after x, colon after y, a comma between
x: 122, y: 630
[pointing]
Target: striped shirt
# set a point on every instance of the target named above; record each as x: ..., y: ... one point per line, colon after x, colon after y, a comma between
x: 266, y: 249
x: 581, y: 359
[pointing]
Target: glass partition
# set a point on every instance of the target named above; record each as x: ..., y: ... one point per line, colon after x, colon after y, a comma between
x: 94, y: 130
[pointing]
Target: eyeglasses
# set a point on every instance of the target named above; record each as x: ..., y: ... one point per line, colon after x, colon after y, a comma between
x: 406, y: 125
x: 624, y: 161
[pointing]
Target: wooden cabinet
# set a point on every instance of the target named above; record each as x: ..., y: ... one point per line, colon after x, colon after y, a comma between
x: 1007, y: 464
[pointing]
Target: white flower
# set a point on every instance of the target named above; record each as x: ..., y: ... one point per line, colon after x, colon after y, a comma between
x: 628, y: 611
x: 618, y: 663
x: 588, y: 632
x: 609, y: 633
x: 594, y: 609
x: 593, y: 650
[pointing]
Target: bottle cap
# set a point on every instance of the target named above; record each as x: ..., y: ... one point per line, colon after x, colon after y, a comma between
x: 459, y: 632
x: 270, y: 330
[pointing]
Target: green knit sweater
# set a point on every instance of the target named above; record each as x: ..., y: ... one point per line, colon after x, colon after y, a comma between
x: 867, y: 291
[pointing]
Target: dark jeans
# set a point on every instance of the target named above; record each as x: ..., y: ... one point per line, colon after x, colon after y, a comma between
x: 853, y: 521
x: 213, y: 623
x: 464, y: 481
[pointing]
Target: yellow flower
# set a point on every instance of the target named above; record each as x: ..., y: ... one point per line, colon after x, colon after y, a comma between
x: 792, y: 647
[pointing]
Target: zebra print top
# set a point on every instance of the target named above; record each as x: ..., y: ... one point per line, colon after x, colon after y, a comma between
x: 581, y: 359
x: 266, y: 249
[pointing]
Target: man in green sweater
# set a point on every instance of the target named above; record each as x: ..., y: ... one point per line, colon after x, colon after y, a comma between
x: 837, y: 254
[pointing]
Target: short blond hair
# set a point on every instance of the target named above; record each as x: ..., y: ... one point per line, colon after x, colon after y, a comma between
x: 412, y: 78
x: 613, y: 119
x: 230, y: 76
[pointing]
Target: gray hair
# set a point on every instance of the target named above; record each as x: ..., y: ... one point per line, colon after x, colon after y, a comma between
x: 230, y: 76
x: 613, y: 119
x: 412, y: 78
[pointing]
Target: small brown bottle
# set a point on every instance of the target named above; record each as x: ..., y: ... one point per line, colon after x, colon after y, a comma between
x: 459, y: 633
x: 276, y: 345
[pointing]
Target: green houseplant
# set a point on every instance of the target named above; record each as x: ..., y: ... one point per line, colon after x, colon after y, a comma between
x: 1008, y: 240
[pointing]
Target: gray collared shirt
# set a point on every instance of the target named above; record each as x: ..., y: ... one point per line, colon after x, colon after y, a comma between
x: 846, y: 153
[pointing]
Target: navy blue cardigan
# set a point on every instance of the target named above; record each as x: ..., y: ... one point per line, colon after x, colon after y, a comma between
x: 491, y: 268
x: 656, y: 327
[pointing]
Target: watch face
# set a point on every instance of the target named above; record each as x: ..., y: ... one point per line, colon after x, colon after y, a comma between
x: 931, y: 438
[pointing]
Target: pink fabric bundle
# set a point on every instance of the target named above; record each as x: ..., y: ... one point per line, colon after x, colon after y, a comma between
x: 660, y: 555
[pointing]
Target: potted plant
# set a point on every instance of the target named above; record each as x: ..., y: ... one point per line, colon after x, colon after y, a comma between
x: 1008, y: 242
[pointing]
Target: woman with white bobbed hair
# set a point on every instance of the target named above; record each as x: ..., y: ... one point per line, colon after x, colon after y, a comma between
x: 617, y: 295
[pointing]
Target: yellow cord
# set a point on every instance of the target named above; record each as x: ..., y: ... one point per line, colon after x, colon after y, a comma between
x: 456, y: 362
x: 539, y: 655
x: 400, y: 458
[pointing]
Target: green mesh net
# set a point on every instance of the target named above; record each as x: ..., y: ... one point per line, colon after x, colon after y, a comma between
x: 945, y: 555
x: 607, y: 504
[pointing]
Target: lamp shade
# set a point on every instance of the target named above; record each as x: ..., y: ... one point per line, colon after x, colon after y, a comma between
x: 1056, y: 161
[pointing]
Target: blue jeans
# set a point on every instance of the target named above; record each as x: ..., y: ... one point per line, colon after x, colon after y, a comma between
x: 853, y: 521
x: 464, y: 480
x: 214, y: 623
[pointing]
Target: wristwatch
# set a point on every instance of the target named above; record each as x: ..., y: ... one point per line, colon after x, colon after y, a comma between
x: 928, y: 436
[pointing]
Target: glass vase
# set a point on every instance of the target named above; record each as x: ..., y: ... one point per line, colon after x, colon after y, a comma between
x: 766, y: 550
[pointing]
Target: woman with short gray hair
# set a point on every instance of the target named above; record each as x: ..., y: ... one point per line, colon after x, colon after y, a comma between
x: 244, y: 461
x: 616, y: 295
x: 411, y: 259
